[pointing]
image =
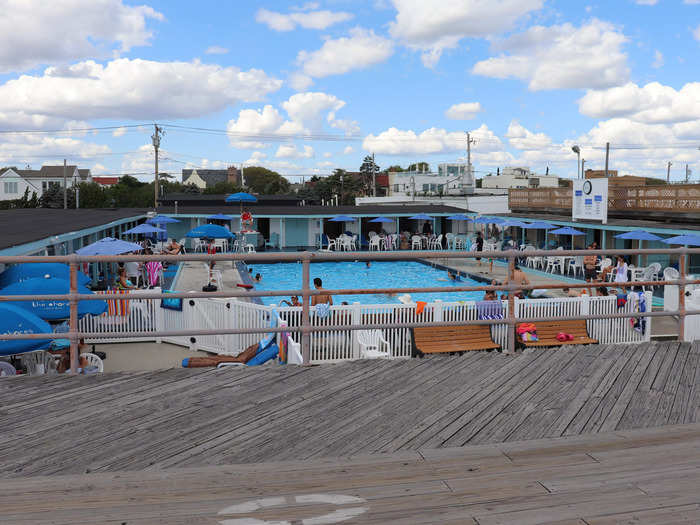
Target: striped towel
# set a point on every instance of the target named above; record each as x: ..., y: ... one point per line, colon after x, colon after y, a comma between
x: 153, y: 270
x: 117, y: 307
x: 489, y: 310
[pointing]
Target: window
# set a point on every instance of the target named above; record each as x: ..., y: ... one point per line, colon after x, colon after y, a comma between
x: 426, y: 187
x: 11, y: 187
x: 46, y: 184
x: 433, y: 187
x: 396, y: 187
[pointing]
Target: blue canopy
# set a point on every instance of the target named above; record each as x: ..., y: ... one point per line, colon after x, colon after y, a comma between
x: 421, y: 217
x: 382, y: 219
x: 145, y: 228
x: 21, y: 272
x: 220, y: 217
x: 342, y: 218
x: 686, y: 240
x: 51, y: 310
x: 488, y: 220
x: 567, y: 231
x: 639, y: 235
x: 210, y: 231
x: 14, y: 320
x: 109, y: 246
x: 161, y: 219
x: 459, y: 217
x: 540, y: 225
x: 512, y: 222
x: 241, y: 197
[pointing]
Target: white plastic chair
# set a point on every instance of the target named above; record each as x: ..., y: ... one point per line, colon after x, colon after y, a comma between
x: 648, y: 274
x: 656, y: 269
x: 94, y: 360
x: 221, y: 245
x: 39, y: 363
x: 372, y: 344
x: 576, y: 264
x: 250, y: 248
x: 450, y: 238
x: 671, y: 274
x: 552, y: 263
x: 375, y: 243
x: 436, y: 243
x: 416, y: 242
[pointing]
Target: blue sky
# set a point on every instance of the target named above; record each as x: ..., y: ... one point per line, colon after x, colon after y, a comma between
x: 307, y: 87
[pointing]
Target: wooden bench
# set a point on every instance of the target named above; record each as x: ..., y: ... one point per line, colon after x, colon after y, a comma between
x: 547, y: 333
x: 441, y: 340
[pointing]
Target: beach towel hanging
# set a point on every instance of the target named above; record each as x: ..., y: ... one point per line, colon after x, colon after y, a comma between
x: 117, y: 307
x: 154, y: 270
x: 420, y: 306
x: 489, y: 310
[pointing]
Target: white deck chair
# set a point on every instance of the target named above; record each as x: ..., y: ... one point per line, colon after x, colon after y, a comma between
x: 372, y: 344
x: 375, y: 243
x: 94, y: 360
x: 39, y: 363
x: 576, y: 264
x: 416, y: 242
x: 436, y: 243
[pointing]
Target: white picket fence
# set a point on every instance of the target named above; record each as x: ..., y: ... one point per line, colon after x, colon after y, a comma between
x: 341, y: 345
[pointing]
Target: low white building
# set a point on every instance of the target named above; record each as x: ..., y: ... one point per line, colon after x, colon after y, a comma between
x: 519, y: 178
x: 14, y: 182
x: 451, y: 179
x: 480, y: 202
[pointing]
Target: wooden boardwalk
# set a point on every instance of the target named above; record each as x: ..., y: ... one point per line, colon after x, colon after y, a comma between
x: 203, y: 417
x: 647, y: 476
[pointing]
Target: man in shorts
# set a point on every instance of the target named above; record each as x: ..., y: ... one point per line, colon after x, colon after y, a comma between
x: 589, y: 270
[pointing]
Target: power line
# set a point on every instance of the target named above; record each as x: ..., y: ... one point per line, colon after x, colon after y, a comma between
x: 69, y: 131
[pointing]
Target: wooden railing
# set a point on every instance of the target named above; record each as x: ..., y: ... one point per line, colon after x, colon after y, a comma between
x: 676, y: 198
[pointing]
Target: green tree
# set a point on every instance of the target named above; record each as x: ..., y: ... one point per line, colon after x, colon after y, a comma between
x: 394, y: 169
x: 53, y: 197
x: 92, y: 195
x: 420, y: 166
x: 261, y: 180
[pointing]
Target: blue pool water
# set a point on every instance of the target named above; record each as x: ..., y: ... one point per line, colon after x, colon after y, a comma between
x: 339, y: 275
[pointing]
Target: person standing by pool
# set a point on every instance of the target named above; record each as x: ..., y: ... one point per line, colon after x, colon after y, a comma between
x: 520, y: 278
x: 321, y: 298
x: 621, y: 270
x: 479, y: 245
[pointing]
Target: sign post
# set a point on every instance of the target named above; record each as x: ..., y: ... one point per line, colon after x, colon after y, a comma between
x: 590, y: 200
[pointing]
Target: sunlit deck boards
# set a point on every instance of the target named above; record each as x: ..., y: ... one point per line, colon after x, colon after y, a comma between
x: 645, y: 476
x: 188, y: 418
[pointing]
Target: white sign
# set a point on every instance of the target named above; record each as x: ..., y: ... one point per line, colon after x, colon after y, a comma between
x: 590, y: 200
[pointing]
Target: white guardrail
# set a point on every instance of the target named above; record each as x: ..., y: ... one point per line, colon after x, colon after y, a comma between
x: 132, y: 314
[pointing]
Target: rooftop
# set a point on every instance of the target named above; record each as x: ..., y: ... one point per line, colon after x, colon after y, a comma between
x: 321, y: 211
x: 666, y: 224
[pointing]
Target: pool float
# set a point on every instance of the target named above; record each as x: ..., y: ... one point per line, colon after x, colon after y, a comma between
x: 246, y: 286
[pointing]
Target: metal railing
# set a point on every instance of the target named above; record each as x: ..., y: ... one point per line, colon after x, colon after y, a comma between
x: 306, y: 328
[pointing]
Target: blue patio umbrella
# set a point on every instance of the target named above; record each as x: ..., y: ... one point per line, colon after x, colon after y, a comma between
x: 109, y: 246
x: 421, y: 217
x: 210, y: 231
x: 241, y: 197
x: 382, y: 219
x: 145, y: 228
x: 161, y: 219
x: 21, y: 272
x: 52, y: 310
x: 540, y: 225
x: 513, y: 223
x: 459, y: 217
x: 342, y: 218
x: 639, y: 235
x: 685, y: 240
x: 488, y: 220
x: 15, y: 320
x: 220, y: 217
x: 568, y: 231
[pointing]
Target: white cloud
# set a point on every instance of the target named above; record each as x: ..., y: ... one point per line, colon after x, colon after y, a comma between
x: 307, y: 112
x: 696, y: 33
x: 522, y: 138
x: 36, y: 32
x: 325, y: 164
x: 646, y: 2
x: 256, y: 157
x: 348, y: 150
x: 658, y: 59
x: 98, y: 169
x: 362, y: 49
x: 307, y: 19
x: 561, y: 57
x: 463, y: 111
x: 652, y: 103
x: 435, y: 26
x: 134, y: 89
x: 299, y: 81
x: 216, y: 50
x: 327, y: 155
x: 119, y: 132
x: 290, y: 151
x: 431, y: 141
x: 17, y: 150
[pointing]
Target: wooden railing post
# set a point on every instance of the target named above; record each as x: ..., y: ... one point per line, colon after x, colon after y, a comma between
x: 511, y: 302
x: 681, y: 296
x: 305, y: 309
x: 73, y: 320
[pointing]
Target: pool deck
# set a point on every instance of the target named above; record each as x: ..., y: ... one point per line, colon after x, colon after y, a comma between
x: 600, y: 433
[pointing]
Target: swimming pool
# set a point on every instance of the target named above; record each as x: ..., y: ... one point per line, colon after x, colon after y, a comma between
x: 339, y: 275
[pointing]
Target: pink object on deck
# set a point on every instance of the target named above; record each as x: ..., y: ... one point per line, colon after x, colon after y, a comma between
x: 153, y: 269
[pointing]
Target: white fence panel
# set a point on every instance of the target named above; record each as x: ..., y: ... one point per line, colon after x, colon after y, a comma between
x: 124, y: 315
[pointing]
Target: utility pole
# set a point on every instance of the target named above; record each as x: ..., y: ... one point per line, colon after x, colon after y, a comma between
x: 156, y: 146
x: 470, y: 174
x: 374, y: 177
x: 687, y: 173
x: 607, y: 157
x: 65, y: 187
x: 342, y: 181
x: 583, y: 163
x: 668, y: 172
